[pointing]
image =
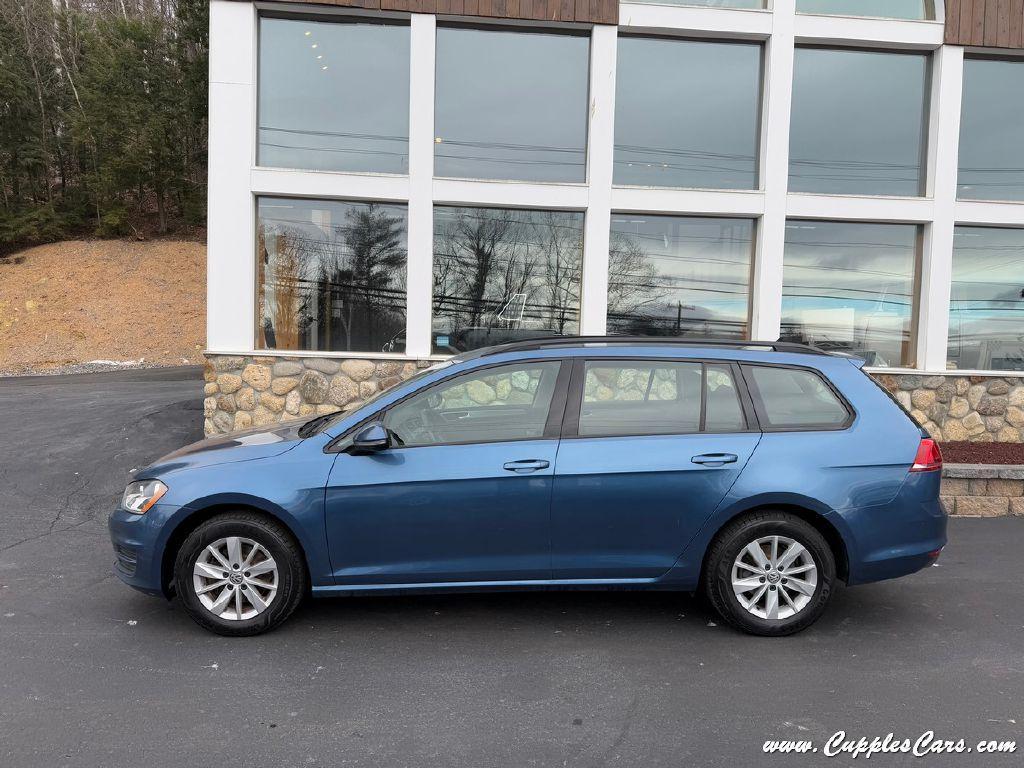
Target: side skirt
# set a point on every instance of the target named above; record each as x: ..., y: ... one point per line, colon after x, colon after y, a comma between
x: 542, y: 585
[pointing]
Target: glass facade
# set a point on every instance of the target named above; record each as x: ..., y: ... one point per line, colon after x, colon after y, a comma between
x: 330, y: 275
x: 991, y: 126
x: 511, y: 105
x: 849, y: 287
x: 503, y: 275
x: 671, y: 142
x: 333, y: 95
x: 660, y: 139
x: 892, y: 9
x: 679, y: 276
x: 986, y: 311
x: 858, y: 122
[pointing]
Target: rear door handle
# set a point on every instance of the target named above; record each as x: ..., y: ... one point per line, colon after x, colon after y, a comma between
x: 523, y: 466
x: 715, y: 459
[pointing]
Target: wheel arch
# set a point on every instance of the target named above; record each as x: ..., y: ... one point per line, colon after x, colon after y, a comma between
x: 811, y: 513
x: 199, y: 515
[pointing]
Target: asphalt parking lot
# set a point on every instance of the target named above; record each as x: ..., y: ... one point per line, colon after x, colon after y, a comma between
x: 94, y: 674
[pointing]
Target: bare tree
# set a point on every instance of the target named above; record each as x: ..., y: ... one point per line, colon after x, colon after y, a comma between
x: 563, y: 247
x: 360, y: 266
x: 284, y: 301
x: 633, y: 280
x: 475, y: 245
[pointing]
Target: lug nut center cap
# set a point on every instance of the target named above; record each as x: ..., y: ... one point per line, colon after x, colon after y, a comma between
x: 773, y: 577
x: 235, y: 578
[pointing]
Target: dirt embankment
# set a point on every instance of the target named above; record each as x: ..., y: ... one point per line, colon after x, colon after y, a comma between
x: 65, y: 304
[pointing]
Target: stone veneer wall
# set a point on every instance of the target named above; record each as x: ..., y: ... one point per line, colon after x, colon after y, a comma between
x: 245, y: 391
x: 983, y: 490
x: 956, y: 408
x: 253, y: 391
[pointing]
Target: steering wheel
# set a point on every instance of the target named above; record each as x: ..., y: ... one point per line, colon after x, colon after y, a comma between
x: 414, y: 429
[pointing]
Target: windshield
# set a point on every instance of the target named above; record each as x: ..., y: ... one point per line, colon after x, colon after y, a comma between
x: 320, y: 423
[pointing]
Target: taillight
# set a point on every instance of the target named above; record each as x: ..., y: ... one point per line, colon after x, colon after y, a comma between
x: 929, y: 457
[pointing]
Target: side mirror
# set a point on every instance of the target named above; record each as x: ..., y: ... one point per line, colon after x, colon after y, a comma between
x: 371, y: 439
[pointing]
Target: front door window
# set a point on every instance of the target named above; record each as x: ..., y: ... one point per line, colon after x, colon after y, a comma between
x: 495, y: 404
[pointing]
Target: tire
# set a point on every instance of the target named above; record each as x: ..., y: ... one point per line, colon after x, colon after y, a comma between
x: 765, y: 530
x: 232, y: 605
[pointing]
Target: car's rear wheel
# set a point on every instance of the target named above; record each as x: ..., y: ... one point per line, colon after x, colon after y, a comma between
x: 770, y: 573
x: 240, y: 573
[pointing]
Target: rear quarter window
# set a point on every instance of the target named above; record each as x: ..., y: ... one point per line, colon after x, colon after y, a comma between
x: 795, y: 398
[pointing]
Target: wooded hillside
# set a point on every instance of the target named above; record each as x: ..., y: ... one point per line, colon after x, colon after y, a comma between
x: 102, y: 118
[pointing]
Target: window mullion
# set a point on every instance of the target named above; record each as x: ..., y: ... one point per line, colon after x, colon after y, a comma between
x: 421, y: 172
x: 766, y: 301
x: 600, y: 153
x: 937, y: 256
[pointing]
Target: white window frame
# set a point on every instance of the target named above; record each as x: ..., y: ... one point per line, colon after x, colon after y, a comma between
x: 236, y: 180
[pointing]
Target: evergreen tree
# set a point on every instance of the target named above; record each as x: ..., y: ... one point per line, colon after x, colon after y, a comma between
x: 102, y: 118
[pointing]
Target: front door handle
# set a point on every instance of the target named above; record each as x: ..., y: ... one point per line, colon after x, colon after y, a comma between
x: 715, y: 459
x: 523, y: 466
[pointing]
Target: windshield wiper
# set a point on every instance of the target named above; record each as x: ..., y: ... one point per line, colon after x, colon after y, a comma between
x: 315, y: 426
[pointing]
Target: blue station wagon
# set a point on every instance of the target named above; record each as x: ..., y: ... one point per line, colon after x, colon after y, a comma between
x: 757, y: 472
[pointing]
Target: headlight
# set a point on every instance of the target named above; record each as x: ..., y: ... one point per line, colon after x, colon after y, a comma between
x: 142, y: 494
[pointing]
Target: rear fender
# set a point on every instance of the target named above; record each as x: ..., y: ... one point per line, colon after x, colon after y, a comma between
x: 687, y: 569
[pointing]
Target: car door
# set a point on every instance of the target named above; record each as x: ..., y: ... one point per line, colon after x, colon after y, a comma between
x: 464, y: 493
x: 649, y: 449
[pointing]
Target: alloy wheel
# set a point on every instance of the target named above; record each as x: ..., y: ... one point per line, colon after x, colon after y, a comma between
x: 235, y: 578
x: 774, y: 577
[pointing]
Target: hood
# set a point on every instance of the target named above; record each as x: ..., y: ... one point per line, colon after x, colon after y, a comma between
x: 258, y: 443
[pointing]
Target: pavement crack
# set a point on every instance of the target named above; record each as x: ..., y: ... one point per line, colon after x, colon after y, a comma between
x: 623, y: 732
x: 46, y: 533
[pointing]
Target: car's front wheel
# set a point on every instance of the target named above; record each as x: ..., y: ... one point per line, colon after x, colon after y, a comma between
x: 240, y: 573
x: 770, y: 573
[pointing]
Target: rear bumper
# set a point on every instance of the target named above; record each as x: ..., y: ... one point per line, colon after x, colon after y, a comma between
x: 138, y: 547
x: 898, y: 538
x: 895, y: 566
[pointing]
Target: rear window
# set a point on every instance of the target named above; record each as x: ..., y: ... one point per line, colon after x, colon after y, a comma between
x: 795, y: 398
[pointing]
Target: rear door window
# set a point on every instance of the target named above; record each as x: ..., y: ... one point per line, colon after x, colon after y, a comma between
x: 636, y: 398
x: 723, y: 410
x: 795, y: 398
x: 663, y: 397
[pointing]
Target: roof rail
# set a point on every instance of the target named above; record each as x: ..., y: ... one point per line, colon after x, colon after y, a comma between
x: 679, y: 341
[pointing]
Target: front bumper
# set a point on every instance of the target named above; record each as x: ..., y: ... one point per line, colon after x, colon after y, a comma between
x: 139, y: 545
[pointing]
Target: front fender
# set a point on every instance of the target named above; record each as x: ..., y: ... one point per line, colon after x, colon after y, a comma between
x: 306, y: 525
x: 288, y: 487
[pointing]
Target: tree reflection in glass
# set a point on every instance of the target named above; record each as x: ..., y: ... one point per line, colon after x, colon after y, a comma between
x: 502, y: 275
x: 679, y: 276
x: 331, y: 275
x: 986, y: 311
x: 850, y: 287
